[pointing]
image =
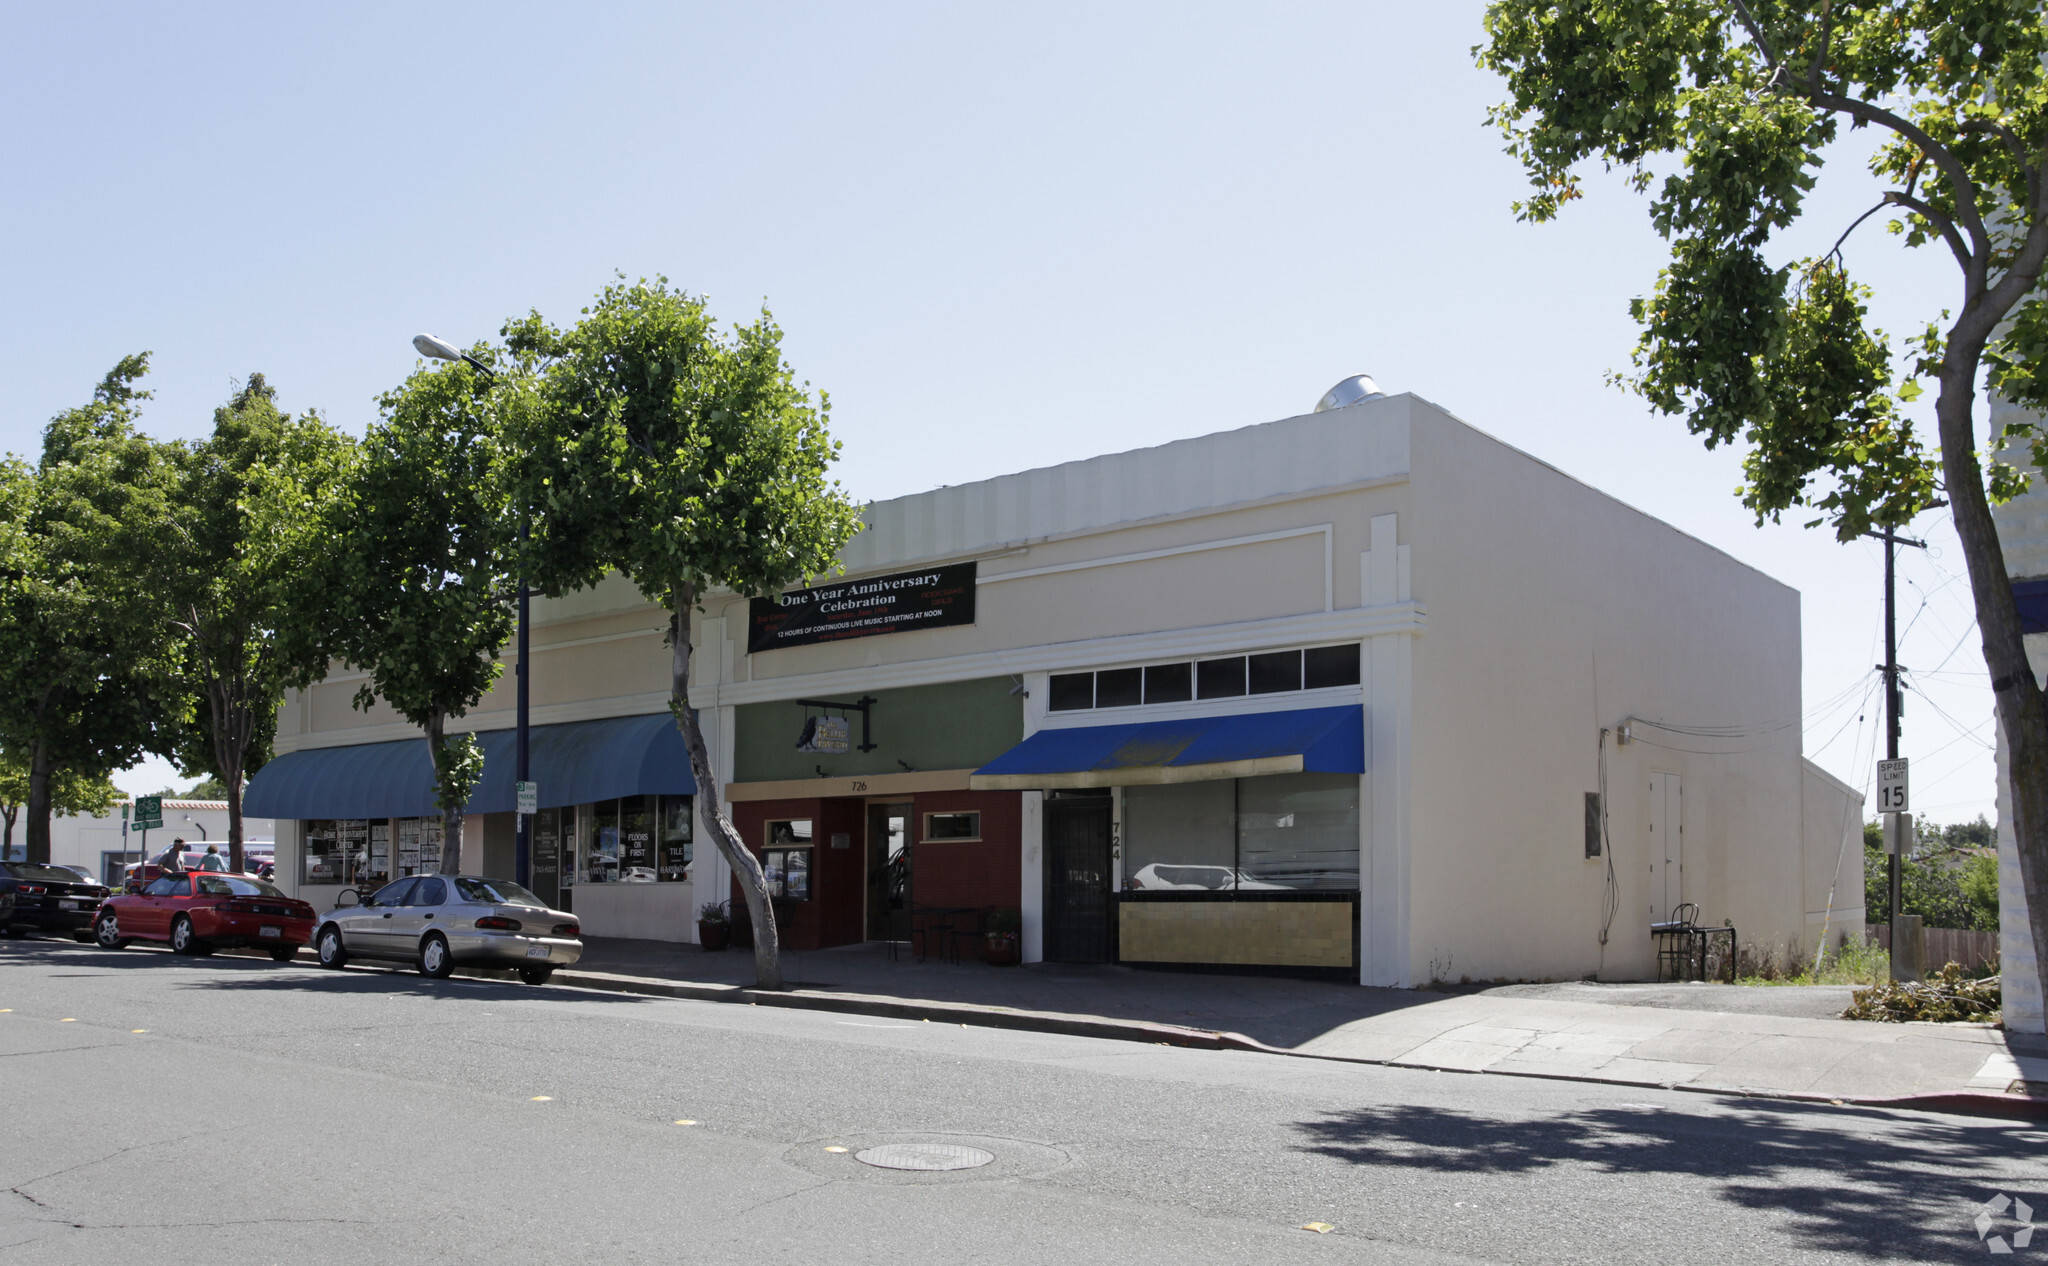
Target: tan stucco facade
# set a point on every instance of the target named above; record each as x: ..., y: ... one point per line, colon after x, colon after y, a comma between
x: 1511, y: 624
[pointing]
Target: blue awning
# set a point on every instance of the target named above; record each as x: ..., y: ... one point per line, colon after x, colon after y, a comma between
x: 2032, y: 597
x: 1196, y: 749
x: 576, y: 762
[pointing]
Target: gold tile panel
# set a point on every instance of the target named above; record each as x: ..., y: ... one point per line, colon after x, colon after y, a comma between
x: 1250, y: 933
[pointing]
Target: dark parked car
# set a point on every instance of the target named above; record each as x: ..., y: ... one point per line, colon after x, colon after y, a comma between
x: 49, y: 899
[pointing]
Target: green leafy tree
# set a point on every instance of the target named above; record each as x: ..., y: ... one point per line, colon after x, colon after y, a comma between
x: 687, y: 459
x: 252, y: 504
x: 69, y: 793
x: 85, y: 651
x: 418, y: 547
x: 1736, y: 104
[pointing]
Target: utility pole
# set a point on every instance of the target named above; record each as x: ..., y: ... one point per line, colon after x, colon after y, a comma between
x: 1899, y: 832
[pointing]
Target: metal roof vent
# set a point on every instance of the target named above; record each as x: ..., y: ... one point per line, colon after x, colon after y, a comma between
x: 1353, y: 390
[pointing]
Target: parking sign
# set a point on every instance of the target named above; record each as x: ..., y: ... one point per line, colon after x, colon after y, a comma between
x: 1891, y: 786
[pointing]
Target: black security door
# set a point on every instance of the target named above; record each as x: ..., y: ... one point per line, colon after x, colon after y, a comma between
x: 1077, y: 879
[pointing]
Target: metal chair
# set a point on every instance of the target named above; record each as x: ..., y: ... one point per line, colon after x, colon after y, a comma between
x: 1680, y: 947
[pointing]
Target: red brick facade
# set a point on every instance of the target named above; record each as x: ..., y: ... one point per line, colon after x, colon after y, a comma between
x: 980, y: 873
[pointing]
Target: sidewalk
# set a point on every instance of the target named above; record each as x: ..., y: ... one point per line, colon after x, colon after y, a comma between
x: 1782, y: 1042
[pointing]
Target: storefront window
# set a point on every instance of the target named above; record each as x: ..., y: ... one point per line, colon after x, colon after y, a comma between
x: 636, y: 840
x: 787, y: 860
x: 337, y: 851
x: 1180, y: 836
x: 601, y: 844
x: 952, y: 826
x: 1293, y: 832
x: 1299, y: 831
x: 674, y: 866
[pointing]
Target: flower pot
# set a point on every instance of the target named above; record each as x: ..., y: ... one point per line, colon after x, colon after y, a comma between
x: 1002, y: 949
x: 713, y: 936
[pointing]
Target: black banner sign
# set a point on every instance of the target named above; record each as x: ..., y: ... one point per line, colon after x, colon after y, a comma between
x: 935, y: 598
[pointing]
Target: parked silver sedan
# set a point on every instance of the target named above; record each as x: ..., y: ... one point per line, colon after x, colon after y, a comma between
x: 441, y: 921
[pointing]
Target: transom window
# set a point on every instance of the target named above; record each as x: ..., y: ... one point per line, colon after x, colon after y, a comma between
x: 1232, y: 676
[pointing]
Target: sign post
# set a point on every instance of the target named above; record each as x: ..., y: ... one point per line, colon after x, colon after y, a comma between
x: 527, y: 795
x: 149, y: 812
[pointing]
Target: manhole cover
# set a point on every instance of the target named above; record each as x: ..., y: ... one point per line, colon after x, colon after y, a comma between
x: 924, y: 1156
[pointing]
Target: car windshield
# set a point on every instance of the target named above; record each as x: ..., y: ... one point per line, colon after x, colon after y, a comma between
x: 496, y: 892
x: 47, y: 874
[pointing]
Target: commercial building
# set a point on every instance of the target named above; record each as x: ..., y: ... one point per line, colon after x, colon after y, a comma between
x: 98, y: 844
x: 1363, y: 693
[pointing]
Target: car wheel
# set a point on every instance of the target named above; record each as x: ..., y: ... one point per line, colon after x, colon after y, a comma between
x: 330, y: 949
x: 536, y: 975
x: 284, y: 953
x: 435, y: 959
x: 184, y: 940
x: 108, y: 932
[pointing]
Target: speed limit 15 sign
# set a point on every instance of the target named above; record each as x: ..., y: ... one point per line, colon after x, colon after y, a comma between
x: 1891, y: 786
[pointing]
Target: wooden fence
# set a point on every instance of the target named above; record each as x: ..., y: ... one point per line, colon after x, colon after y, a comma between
x: 1974, y: 950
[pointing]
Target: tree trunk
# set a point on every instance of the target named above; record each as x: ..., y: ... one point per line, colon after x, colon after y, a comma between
x: 745, y: 866
x: 231, y: 728
x: 237, y: 858
x: 2021, y: 710
x: 37, y: 837
x: 8, y: 812
x: 451, y: 819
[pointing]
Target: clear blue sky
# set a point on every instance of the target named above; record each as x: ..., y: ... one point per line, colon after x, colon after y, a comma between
x: 1000, y: 238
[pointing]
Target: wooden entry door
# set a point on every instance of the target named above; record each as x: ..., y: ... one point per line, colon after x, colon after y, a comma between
x: 888, y: 858
x: 1077, y: 903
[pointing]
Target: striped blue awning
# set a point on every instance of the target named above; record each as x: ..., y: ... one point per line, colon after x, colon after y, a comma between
x: 577, y: 762
x: 1191, y: 749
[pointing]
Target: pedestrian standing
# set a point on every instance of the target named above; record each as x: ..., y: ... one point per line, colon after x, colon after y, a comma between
x: 213, y: 860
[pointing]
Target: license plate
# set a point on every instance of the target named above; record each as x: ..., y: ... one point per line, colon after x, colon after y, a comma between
x: 71, y: 905
x: 270, y: 931
x: 536, y: 951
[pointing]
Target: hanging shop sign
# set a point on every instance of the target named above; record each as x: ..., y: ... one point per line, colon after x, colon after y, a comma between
x: 830, y: 735
x: 934, y: 598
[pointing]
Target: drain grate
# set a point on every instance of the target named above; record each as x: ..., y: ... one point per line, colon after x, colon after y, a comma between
x: 924, y: 1156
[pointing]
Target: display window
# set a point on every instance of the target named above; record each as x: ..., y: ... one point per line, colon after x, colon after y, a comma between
x: 952, y: 826
x: 673, y: 865
x: 786, y: 861
x: 634, y: 840
x: 1284, y: 832
x: 328, y: 856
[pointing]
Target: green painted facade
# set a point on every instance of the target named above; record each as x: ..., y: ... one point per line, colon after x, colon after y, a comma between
x: 956, y: 725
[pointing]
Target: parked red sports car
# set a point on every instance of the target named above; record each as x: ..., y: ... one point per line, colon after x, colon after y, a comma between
x: 201, y: 911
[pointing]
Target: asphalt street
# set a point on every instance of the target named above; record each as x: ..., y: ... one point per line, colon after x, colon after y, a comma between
x: 229, y: 1110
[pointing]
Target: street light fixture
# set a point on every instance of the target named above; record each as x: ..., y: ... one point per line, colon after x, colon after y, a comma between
x: 437, y: 348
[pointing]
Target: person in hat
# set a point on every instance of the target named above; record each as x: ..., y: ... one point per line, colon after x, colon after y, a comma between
x: 173, y: 860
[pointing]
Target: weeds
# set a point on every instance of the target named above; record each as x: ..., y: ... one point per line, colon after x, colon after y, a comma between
x: 1950, y: 994
x: 1853, y: 963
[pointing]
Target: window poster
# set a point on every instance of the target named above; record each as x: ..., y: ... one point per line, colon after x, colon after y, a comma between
x: 674, y: 864
x: 430, y: 845
x: 408, y: 846
x: 636, y: 840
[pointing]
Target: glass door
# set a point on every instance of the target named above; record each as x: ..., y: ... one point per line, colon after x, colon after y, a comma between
x: 888, y: 899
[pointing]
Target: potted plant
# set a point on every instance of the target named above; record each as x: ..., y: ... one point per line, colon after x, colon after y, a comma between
x: 714, y: 926
x: 1002, y: 930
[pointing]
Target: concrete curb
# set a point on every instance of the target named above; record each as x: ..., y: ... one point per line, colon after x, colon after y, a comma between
x: 1964, y: 1103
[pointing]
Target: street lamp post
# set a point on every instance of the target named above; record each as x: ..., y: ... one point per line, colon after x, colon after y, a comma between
x: 522, y: 850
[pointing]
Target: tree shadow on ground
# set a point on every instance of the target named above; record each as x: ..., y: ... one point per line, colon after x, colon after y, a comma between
x: 1864, y: 1183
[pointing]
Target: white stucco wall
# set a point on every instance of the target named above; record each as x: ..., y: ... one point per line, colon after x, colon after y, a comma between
x: 2023, y: 535
x: 1555, y: 611
x: 82, y: 839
